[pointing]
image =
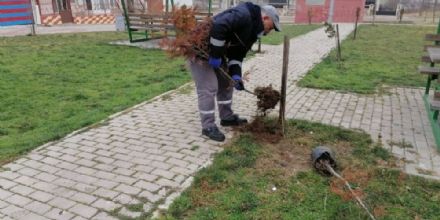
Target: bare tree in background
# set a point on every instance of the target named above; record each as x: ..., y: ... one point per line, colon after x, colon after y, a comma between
x: 433, y: 11
x: 421, y: 7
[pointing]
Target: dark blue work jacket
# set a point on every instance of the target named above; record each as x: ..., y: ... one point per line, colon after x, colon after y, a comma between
x: 233, y: 33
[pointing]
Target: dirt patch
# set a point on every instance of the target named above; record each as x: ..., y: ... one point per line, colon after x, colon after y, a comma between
x: 284, y: 157
x: 264, y: 132
x: 379, y: 211
x: 358, y: 179
x: 292, y: 154
x: 268, y: 98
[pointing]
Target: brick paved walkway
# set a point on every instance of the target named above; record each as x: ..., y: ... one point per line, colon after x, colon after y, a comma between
x: 145, y: 156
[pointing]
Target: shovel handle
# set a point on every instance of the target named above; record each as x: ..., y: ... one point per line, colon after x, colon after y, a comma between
x: 250, y: 92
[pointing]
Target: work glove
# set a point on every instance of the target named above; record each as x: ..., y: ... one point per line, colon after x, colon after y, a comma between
x: 215, y: 62
x: 238, y: 82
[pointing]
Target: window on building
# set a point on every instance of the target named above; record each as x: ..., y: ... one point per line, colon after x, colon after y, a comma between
x: 315, y: 2
x: 60, y: 5
x: 89, y: 4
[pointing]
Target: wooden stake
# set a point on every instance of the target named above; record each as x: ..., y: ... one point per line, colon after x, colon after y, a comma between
x: 259, y: 45
x: 374, y: 14
x: 281, y: 119
x: 338, y: 43
x: 32, y: 10
x: 358, y: 12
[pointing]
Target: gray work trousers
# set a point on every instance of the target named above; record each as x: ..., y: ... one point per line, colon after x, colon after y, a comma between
x: 210, y: 85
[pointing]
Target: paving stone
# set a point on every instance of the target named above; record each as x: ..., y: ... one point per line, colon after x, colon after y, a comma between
x: 125, y: 179
x: 61, y: 203
x: 105, y: 183
x: 9, y: 175
x: 86, y: 188
x: 18, y: 200
x: 145, y: 176
x: 66, y: 166
x: 79, y: 218
x: 49, y: 169
x: 44, y: 186
x: 59, y: 214
x: 86, y: 171
x: 33, y: 164
x: 6, y: 184
x: 106, y: 193
x: 86, y: 155
x: 179, y: 178
x: 105, y: 167
x: 83, y: 210
x: 32, y: 216
x: 15, y: 212
x: 125, y: 212
x: 152, y: 187
x: 177, y: 162
x: 161, y: 165
x: 69, y: 158
x: 127, y: 189
x: 106, y: 205
x: 3, y: 204
x: 163, y: 173
x: 64, y: 182
x: 123, y: 171
x: 123, y: 164
x: 169, y: 200
x: 104, y: 216
x: 46, y: 177
x: 22, y: 190
x: 126, y: 199
x: 104, y: 174
x: 105, y: 160
x: 83, y: 198
x: 51, y: 161
x: 167, y: 182
x: 38, y: 207
x: 152, y: 197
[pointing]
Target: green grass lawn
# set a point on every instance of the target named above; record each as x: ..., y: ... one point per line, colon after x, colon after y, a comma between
x: 52, y: 85
x: 253, y: 179
x: 381, y: 55
x: 292, y: 31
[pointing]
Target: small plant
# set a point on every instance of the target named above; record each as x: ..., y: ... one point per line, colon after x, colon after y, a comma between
x: 135, y: 207
x: 329, y: 30
x: 192, y: 38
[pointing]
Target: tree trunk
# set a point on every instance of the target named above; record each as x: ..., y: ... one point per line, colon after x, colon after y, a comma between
x: 422, y: 7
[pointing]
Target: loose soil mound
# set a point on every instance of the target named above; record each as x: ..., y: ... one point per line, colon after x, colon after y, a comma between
x: 268, y: 98
x: 266, y: 132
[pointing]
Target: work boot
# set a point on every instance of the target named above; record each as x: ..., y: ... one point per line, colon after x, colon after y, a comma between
x: 214, y: 134
x: 233, y: 120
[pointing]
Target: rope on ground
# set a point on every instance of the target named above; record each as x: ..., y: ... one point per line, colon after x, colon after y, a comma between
x: 362, y: 204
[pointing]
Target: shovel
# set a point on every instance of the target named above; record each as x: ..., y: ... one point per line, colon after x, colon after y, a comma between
x: 250, y: 92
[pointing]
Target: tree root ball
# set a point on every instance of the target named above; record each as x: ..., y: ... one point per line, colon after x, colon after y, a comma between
x: 268, y: 98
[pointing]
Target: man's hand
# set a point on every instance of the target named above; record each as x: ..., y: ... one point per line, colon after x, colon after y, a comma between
x: 215, y: 62
x: 238, y: 82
